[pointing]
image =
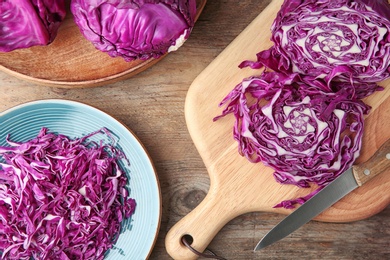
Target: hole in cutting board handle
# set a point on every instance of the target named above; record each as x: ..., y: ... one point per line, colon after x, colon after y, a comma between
x: 187, y: 240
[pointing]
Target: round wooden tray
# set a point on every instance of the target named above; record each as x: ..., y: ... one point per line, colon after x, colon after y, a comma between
x: 71, y: 61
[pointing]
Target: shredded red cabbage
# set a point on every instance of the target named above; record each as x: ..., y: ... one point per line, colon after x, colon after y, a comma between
x: 307, y: 135
x: 61, y: 198
x: 338, y: 40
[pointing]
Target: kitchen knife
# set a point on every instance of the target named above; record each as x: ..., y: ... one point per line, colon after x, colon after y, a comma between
x: 354, y: 177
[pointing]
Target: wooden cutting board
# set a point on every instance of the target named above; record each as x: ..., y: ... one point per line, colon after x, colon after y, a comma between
x: 238, y: 186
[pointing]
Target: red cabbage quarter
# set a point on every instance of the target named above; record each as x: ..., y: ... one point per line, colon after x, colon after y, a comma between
x: 61, y: 198
x: 308, y: 136
x: 27, y: 23
x: 340, y: 40
x: 135, y: 29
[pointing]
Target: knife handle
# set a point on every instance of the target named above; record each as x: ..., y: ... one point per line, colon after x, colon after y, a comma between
x: 378, y: 163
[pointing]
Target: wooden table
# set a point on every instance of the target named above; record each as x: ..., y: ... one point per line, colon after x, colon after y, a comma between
x: 152, y: 105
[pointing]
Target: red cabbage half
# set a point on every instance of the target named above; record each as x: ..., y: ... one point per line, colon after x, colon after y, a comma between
x: 340, y: 40
x: 308, y: 136
x: 135, y: 29
x: 61, y: 198
x: 27, y: 23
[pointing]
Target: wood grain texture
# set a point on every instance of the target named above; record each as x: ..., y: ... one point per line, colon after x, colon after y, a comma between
x: 71, y: 61
x: 152, y: 104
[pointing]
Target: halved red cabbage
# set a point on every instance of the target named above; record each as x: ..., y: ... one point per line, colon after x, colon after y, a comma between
x: 61, y: 198
x: 307, y: 135
x: 27, y: 23
x: 341, y: 40
x: 136, y: 29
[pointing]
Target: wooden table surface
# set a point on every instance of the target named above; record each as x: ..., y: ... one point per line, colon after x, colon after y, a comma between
x: 152, y: 105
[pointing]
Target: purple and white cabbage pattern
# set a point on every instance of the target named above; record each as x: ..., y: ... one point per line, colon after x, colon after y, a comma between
x: 135, y: 29
x: 308, y: 136
x: 27, y: 23
x: 340, y: 40
x: 303, y: 116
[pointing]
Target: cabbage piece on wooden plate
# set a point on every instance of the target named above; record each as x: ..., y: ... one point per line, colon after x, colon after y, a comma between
x: 135, y: 29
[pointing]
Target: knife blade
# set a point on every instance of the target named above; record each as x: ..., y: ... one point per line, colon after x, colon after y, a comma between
x: 351, y: 179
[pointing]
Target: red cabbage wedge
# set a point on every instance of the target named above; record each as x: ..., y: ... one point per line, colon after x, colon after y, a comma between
x: 135, y: 29
x: 307, y: 135
x: 27, y: 23
x: 61, y: 198
x: 341, y: 40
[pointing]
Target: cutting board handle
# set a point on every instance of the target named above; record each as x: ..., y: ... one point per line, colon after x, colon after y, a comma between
x: 234, y: 184
x: 201, y: 224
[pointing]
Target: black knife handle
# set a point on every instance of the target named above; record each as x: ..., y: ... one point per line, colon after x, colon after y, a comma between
x: 378, y: 163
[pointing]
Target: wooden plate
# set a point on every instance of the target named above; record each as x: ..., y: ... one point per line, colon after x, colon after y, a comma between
x: 71, y: 61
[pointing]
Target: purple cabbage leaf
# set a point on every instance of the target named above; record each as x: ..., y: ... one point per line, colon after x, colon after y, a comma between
x: 136, y: 29
x: 27, y: 23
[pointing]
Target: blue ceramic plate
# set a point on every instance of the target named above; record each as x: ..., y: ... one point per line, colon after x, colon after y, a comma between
x: 74, y: 119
